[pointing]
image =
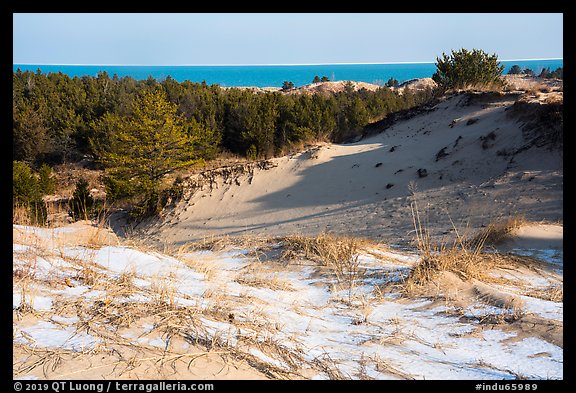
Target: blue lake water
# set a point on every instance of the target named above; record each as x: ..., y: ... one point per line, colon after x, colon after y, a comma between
x: 273, y: 75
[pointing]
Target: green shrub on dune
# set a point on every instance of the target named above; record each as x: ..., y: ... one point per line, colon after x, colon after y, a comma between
x: 464, y: 69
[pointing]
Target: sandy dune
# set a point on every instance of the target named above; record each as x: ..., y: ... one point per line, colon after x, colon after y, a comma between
x: 466, y: 162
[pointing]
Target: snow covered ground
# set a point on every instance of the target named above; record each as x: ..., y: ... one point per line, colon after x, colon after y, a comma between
x: 290, y: 316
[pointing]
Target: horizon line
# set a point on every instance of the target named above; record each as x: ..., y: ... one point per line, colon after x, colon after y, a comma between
x: 249, y: 65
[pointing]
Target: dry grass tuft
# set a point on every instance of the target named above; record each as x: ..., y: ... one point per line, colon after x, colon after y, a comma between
x: 338, y: 253
x: 511, y: 311
x: 465, y: 263
x: 465, y: 258
x: 553, y: 293
x: 89, y: 276
x: 223, y: 243
x: 497, y: 232
x: 274, y: 283
x: 326, y: 249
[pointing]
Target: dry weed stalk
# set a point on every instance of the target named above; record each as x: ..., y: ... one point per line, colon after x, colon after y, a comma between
x: 48, y: 359
x: 386, y: 367
x: 327, y: 365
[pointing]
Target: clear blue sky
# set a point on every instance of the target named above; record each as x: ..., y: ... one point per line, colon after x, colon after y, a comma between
x: 280, y: 38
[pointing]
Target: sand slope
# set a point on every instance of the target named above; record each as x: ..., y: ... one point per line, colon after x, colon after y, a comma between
x: 479, y: 166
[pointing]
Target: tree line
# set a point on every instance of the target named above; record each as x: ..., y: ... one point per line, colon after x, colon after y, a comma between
x: 55, y: 117
x: 546, y: 73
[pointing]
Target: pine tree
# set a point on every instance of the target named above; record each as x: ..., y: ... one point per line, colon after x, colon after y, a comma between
x: 82, y: 202
x: 27, y: 194
x: 392, y: 82
x: 25, y: 187
x: 514, y: 70
x: 151, y: 143
x: 287, y: 85
x: 46, y: 182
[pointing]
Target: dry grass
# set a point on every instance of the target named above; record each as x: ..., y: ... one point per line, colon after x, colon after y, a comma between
x: 110, y: 314
x: 21, y: 215
x: 48, y: 359
x: 494, y: 87
x: 107, y: 316
x: 497, y: 232
x: 511, y: 311
x: 531, y: 85
x: 386, y: 367
x: 204, y: 266
x: 121, y: 361
x: 553, y: 293
x: 338, y: 253
x: 464, y: 263
x: 330, y: 367
x: 224, y: 243
x: 26, y: 305
x: 274, y: 283
x: 325, y: 249
x: 463, y: 257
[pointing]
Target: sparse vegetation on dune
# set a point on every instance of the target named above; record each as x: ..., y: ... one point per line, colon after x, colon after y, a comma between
x: 466, y: 257
x: 213, y: 122
x: 226, y: 304
x: 338, y: 253
x: 467, y: 262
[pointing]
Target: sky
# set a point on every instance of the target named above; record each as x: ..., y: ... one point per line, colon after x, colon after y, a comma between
x: 279, y: 38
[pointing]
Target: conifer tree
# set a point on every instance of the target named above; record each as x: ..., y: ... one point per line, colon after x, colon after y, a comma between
x: 392, y: 82
x: 287, y: 85
x: 82, y: 202
x: 514, y: 70
x: 27, y: 193
x: 46, y: 182
x: 151, y: 143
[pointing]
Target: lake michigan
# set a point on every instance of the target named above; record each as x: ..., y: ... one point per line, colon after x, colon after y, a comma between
x: 272, y: 75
